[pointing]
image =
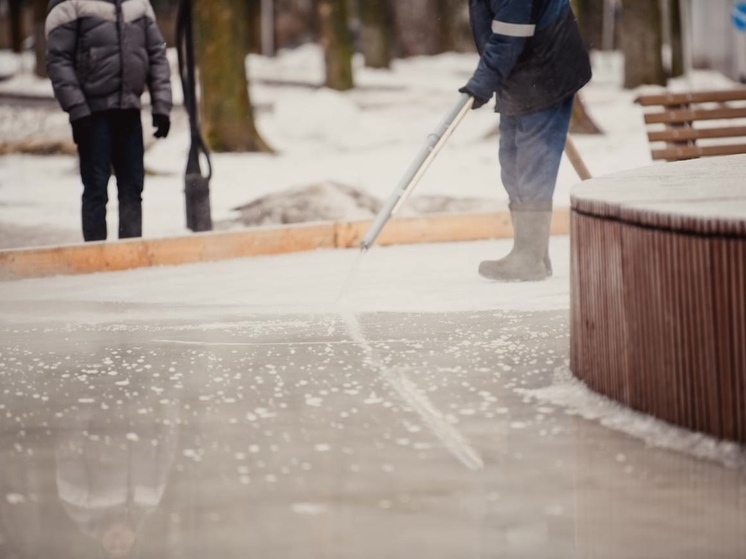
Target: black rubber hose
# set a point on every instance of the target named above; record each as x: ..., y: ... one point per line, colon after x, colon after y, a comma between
x: 197, y: 187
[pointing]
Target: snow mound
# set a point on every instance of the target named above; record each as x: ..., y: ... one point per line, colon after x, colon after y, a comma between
x: 333, y: 201
x: 326, y: 201
x: 571, y: 393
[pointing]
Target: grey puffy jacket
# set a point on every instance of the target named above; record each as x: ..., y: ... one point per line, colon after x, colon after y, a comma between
x: 102, y: 53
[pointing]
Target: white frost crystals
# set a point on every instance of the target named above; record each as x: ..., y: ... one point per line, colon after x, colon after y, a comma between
x: 569, y: 392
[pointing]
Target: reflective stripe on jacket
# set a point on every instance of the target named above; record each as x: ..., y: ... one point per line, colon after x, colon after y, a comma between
x: 531, y: 53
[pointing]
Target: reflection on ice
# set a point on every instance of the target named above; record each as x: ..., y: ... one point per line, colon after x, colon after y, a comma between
x: 110, y: 479
x: 295, y: 440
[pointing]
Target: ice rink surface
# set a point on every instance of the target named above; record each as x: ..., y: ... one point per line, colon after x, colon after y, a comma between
x: 245, y: 409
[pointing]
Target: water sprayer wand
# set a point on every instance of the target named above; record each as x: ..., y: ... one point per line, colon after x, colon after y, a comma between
x: 416, y: 170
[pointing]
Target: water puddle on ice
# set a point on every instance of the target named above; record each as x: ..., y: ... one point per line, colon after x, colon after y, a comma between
x: 407, y: 390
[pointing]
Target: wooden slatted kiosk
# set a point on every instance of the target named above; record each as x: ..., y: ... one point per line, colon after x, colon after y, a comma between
x: 695, y: 124
x: 658, y: 291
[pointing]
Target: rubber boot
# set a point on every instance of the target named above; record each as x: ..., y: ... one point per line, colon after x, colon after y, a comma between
x: 528, y: 259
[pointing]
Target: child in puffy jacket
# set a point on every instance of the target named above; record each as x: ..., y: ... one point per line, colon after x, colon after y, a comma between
x: 101, y: 54
x: 533, y: 59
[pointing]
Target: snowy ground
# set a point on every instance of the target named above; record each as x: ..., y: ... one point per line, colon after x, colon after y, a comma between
x: 267, y: 411
x: 389, y: 405
x: 364, y: 139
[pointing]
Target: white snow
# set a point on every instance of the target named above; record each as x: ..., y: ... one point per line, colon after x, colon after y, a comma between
x: 570, y: 393
x: 365, y: 139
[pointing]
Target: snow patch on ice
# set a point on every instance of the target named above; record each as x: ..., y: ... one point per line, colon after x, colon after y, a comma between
x: 308, y: 509
x: 15, y: 498
x: 569, y: 392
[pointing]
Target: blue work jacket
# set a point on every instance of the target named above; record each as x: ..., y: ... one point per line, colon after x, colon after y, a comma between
x: 531, y: 53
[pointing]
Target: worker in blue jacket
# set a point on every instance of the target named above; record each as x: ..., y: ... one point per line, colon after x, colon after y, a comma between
x: 533, y: 59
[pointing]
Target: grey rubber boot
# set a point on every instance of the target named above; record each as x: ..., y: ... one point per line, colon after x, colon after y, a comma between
x: 529, y: 259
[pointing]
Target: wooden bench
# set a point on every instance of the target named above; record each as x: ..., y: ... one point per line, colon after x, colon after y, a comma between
x: 695, y: 124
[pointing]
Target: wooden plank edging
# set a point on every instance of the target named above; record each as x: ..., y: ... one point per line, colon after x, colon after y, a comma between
x: 261, y: 241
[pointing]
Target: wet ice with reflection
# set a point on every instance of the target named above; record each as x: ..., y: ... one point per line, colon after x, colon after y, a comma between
x: 258, y: 471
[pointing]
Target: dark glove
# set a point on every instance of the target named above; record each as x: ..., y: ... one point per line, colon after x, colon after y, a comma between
x: 478, y: 101
x: 162, y: 125
x: 82, y: 129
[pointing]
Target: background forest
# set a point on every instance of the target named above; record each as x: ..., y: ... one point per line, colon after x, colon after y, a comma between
x: 648, y: 32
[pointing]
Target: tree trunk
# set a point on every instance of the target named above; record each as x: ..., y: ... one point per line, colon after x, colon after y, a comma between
x: 677, y: 42
x: 254, y: 27
x: 415, y: 35
x: 40, y: 38
x: 15, y: 20
x: 227, y: 116
x: 446, y: 16
x: 336, y: 41
x: 590, y: 14
x: 377, y: 21
x: 642, y: 43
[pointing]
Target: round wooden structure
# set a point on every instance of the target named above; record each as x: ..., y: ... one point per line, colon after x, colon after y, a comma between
x: 658, y: 291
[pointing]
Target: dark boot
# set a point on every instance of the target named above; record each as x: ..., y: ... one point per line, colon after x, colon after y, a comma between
x: 130, y: 219
x: 529, y: 259
x: 94, y: 220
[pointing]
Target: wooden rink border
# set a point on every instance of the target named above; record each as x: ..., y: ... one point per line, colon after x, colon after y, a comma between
x: 129, y: 254
x: 658, y: 322
x: 658, y: 292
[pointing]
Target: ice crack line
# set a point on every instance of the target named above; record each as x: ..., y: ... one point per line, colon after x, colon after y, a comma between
x: 408, y: 391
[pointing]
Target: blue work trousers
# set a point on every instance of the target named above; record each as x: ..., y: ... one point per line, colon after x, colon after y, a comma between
x: 115, y: 143
x: 531, y: 149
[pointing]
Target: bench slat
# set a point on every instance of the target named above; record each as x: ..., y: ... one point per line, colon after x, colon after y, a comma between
x: 672, y: 117
x: 672, y: 99
x: 677, y: 154
x: 686, y: 134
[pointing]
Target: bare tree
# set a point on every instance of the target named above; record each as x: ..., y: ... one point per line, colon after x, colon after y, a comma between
x: 336, y: 41
x: 15, y: 21
x: 642, y: 43
x: 376, y: 17
x: 227, y: 115
x: 590, y: 14
x: 416, y: 35
x: 40, y: 38
x: 253, y: 26
x: 676, y: 38
x: 445, y: 19
x: 447, y: 29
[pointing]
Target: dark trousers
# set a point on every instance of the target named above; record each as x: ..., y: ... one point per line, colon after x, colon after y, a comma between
x: 115, y: 143
x: 531, y: 149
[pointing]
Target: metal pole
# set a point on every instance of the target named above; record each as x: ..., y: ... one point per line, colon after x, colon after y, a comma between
x: 417, y: 169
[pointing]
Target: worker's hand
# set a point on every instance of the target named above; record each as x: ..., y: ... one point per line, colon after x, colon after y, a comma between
x: 82, y: 129
x: 162, y: 125
x: 478, y: 101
